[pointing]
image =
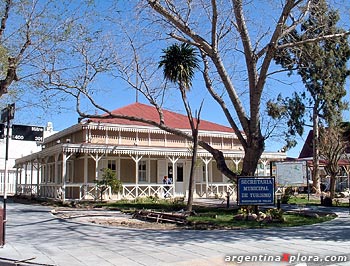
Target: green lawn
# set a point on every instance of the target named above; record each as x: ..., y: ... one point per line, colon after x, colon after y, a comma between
x: 302, y: 199
x: 228, y: 221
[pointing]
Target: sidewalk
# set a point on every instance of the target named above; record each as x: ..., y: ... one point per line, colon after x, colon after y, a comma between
x: 32, y: 232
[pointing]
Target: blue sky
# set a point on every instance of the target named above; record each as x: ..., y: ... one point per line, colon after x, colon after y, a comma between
x: 114, y: 93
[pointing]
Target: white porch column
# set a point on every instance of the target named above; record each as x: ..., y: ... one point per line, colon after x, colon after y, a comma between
x: 19, y: 180
x: 38, y: 168
x: 46, y: 173
x: 56, y: 175
x: 264, y: 162
x: 97, y: 159
x: 149, y: 169
x: 25, y: 177
x: 136, y: 159
x: 64, y: 171
x: 236, y: 161
x: 16, y: 176
x: 86, y: 169
x: 31, y: 176
x: 173, y: 160
x: 118, y: 167
x: 206, y: 161
x: 20, y: 176
x: 64, y: 174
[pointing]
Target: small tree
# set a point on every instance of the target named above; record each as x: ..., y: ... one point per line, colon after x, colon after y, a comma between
x: 109, y: 180
x: 333, y: 142
x: 179, y: 63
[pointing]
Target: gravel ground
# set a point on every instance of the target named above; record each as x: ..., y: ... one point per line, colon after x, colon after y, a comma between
x: 108, y: 218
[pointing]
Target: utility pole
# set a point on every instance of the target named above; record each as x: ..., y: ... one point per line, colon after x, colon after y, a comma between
x: 7, y: 114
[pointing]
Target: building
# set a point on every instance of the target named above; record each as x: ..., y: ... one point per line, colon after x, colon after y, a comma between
x: 140, y: 154
x: 342, y: 180
x: 17, y: 149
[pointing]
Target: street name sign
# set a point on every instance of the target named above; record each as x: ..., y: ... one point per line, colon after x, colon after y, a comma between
x: 29, y: 133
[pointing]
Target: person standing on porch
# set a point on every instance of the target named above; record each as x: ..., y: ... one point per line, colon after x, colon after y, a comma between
x: 166, y: 182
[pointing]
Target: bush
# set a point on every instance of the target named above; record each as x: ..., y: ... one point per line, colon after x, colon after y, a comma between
x: 109, y: 179
x: 288, y: 192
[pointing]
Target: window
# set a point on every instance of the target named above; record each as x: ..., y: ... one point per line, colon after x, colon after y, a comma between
x: 69, y: 172
x: 142, y: 171
x: 170, y: 171
x: 111, y: 164
x: 203, y: 173
x: 180, y: 172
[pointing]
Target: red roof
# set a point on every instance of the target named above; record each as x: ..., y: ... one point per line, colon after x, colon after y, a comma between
x: 171, y: 119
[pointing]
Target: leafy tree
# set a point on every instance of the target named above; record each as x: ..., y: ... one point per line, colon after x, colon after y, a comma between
x: 179, y: 63
x: 323, y: 70
x: 109, y: 180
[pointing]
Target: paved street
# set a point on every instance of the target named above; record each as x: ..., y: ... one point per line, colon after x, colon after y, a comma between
x: 33, y: 232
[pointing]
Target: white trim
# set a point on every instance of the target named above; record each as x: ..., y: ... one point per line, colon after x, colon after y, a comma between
x: 151, y: 129
x: 134, y: 150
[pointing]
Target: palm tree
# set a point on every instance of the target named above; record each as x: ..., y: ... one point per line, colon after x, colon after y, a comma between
x: 179, y: 63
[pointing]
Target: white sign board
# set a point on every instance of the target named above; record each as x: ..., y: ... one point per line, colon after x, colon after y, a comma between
x: 291, y: 173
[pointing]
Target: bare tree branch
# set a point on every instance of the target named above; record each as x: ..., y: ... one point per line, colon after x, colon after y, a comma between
x: 5, y: 17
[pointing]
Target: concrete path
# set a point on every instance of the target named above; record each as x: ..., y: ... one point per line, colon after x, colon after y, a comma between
x: 33, y: 232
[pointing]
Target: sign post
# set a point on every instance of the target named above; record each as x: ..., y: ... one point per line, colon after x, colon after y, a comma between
x: 7, y: 114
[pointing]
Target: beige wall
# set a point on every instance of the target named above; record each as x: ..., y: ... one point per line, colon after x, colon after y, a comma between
x: 217, y: 175
x: 91, y: 170
x: 78, y: 176
x: 154, y: 172
x: 127, y: 171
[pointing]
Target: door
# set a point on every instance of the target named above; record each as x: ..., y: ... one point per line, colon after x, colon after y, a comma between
x: 179, y: 178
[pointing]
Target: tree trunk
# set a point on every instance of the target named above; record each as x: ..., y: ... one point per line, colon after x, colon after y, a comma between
x: 192, y: 171
x: 332, y: 186
x: 252, y: 155
x: 316, y: 184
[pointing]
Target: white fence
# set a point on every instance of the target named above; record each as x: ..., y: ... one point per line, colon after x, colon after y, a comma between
x: 147, y: 190
x: 216, y: 190
x: 10, y: 182
x: 89, y: 191
x: 76, y: 191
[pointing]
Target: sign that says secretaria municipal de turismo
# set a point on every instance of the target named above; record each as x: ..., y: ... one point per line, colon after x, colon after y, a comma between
x: 256, y: 190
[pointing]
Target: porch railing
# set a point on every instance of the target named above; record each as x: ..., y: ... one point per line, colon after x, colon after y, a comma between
x: 76, y: 191
x: 147, y: 190
x: 89, y: 191
x: 217, y: 190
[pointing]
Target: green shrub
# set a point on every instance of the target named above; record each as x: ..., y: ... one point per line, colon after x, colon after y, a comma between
x: 109, y: 179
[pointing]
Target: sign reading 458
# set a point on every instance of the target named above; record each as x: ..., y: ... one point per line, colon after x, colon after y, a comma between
x: 30, y: 133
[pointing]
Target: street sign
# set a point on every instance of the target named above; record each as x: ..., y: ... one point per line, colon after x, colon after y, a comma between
x: 2, y: 131
x: 256, y: 190
x: 30, y: 133
x: 8, y: 113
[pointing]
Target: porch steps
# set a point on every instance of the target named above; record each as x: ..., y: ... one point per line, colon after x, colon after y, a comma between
x: 161, y: 217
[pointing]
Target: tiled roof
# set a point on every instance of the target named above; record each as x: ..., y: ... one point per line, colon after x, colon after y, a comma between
x: 171, y: 119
